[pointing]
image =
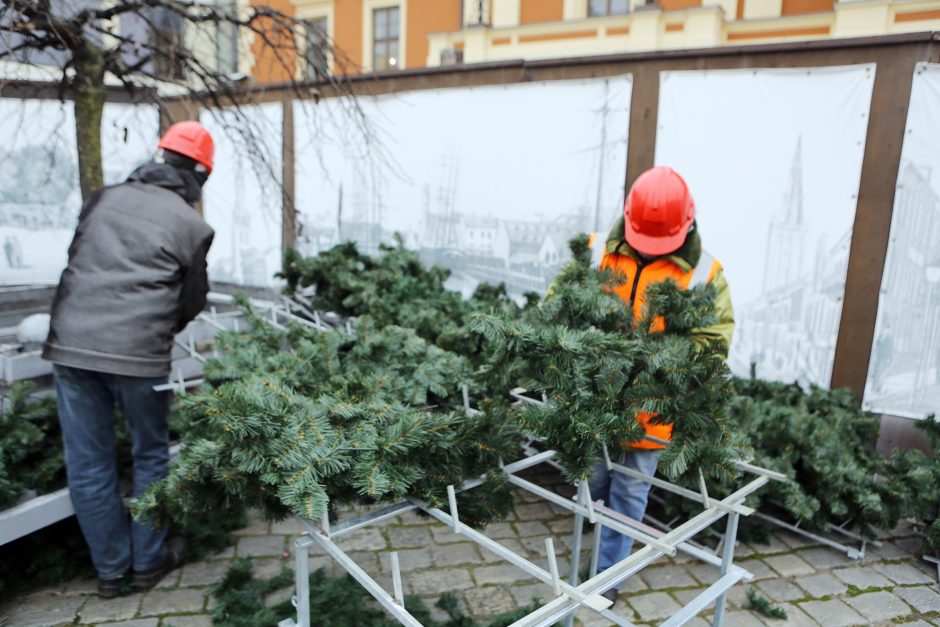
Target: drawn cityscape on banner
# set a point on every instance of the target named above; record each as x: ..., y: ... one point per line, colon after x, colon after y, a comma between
x: 524, y: 254
x: 242, y: 198
x: 39, y: 191
x: 480, y: 215
x: 904, y: 375
x: 793, y: 325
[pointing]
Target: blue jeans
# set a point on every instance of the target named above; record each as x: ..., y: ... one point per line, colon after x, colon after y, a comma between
x: 86, y: 412
x: 622, y: 494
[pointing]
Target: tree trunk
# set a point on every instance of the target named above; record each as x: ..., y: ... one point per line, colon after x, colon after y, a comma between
x: 90, y: 94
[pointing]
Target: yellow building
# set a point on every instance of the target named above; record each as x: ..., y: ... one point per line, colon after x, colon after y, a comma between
x: 374, y: 35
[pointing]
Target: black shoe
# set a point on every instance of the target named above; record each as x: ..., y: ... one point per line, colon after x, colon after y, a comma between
x: 113, y: 588
x: 173, y: 559
x: 610, y: 595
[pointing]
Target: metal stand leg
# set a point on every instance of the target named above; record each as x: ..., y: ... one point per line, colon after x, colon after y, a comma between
x: 596, y: 549
x: 576, y: 547
x: 302, y: 579
x: 727, y: 558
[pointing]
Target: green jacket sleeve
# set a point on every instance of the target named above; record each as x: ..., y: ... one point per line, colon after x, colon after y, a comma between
x: 724, y: 328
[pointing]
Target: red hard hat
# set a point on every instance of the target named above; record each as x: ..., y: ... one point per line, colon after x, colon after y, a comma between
x: 658, y: 212
x: 190, y: 139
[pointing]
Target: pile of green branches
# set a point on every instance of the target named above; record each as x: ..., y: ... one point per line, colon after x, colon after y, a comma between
x: 302, y: 421
x: 582, y: 350
x: 915, y: 479
x: 30, y: 445
x: 825, y: 445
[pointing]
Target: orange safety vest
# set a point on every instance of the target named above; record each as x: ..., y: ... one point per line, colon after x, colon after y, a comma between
x: 633, y: 292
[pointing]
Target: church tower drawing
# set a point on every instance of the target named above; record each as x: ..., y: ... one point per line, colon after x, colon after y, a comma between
x: 784, y: 257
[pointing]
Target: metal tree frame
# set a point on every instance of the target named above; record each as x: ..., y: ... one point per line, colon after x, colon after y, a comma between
x: 568, y: 596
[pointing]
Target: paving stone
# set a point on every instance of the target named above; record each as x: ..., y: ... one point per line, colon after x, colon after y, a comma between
x: 81, y: 587
x: 916, y: 623
x: 564, y: 526
x: 409, y: 537
x: 670, y: 576
x: 862, y: 577
x: 780, y: 590
x: 793, y: 540
x: 758, y: 568
x: 705, y: 573
x: 528, y: 593
x: 910, y: 546
x: 789, y: 565
x: 504, y: 573
x: 290, y: 526
x: 443, y: 534
x: 258, y: 546
x: 879, y: 606
x: 284, y: 594
x: 225, y: 554
x: 904, y: 574
x: 204, y: 573
x: 921, y: 598
x: 489, y: 601
x: 172, y: 602
x: 795, y: 617
x: 366, y: 539
x: 824, y: 558
x: 539, y: 511
x: 170, y: 580
x: 97, y: 610
x: 412, y: 518
x: 773, y: 545
x: 188, y: 620
x: 257, y: 526
x: 532, y: 528
x: 589, y: 618
x: 633, y: 584
x: 367, y: 561
x: 451, y: 554
x: 737, y: 595
x: 137, y: 622
x: 654, y: 605
x: 832, y: 613
x: 408, y: 560
x: 742, y: 618
x: 686, y: 596
x: 42, y: 610
x: 438, y: 581
x: 265, y: 568
x: 821, y: 585
x: 887, y: 551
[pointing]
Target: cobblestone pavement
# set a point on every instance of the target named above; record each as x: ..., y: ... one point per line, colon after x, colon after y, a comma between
x: 814, y: 584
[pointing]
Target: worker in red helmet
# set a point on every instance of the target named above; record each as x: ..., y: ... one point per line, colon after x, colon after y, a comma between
x: 136, y: 276
x: 655, y: 240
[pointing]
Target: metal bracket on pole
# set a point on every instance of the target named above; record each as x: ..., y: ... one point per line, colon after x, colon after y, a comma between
x: 396, y: 579
x: 701, y: 486
x: 452, y: 500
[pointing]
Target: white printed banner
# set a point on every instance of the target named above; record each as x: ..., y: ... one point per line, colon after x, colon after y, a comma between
x: 490, y: 182
x: 773, y: 159
x: 904, y: 372
x: 39, y: 191
x: 242, y: 198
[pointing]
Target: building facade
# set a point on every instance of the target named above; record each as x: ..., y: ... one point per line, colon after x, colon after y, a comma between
x: 377, y: 35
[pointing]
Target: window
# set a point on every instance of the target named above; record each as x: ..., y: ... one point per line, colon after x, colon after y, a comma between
x: 385, y: 39
x: 225, y: 37
x: 608, y: 7
x: 317, y: 49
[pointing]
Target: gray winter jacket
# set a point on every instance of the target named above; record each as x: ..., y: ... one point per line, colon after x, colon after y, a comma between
x: 136, y: 276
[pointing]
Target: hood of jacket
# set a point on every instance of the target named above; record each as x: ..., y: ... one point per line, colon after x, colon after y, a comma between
x: 184, y: 182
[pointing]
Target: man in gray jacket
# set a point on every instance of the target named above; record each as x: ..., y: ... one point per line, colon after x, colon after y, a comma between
x: 136, y: 276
